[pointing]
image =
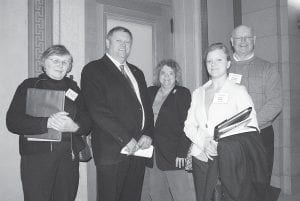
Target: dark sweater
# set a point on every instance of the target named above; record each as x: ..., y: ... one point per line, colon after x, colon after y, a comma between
x: 18, y: 122
x: 263, y: 83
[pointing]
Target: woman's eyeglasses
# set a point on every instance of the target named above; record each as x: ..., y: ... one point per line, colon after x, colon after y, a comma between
x: 64, y: 63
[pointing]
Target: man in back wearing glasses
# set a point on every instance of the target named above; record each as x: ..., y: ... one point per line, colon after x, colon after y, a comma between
x: 263, y: 83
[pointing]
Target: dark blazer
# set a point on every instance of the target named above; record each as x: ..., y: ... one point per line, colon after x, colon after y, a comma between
x: 114, y: 108
x: 169, y: 138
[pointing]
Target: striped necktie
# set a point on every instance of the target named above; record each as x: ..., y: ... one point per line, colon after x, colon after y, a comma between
x: 122, y: 67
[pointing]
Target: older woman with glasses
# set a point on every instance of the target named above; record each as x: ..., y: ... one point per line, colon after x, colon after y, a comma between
x: 50, y: 169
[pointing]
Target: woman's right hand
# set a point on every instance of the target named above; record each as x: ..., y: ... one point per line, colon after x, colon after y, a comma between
x: 210, y: 149
x: 179, y: 162
x: 61, y: 122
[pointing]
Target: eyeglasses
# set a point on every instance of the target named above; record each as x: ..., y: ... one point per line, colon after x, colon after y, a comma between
x: 244, y: 38
x: 62, y: 62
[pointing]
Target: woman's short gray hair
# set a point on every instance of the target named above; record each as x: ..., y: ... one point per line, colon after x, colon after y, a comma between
x: 173, y: 65
x: 58, y: 50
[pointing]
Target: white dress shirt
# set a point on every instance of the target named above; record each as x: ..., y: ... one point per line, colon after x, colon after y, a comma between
x: 236, y: 57
x: 133, y: 81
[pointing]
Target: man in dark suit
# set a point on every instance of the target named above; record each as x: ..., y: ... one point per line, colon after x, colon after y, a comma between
x: 115, y: 93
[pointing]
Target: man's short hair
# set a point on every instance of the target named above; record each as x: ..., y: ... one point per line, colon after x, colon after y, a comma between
x: 118, y: 28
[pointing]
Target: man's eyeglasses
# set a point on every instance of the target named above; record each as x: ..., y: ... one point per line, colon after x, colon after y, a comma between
x: 245, y: 38
x: 57, y: 61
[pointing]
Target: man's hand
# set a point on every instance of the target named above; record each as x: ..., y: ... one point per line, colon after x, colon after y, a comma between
x: 132, y: 146
x: 180, y: 162
x: 144, y: 142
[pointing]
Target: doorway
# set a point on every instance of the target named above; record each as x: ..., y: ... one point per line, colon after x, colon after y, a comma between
x: 142, y: 48
x: 152, y: 41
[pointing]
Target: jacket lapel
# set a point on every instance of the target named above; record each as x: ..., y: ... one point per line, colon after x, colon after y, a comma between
x: 169, y: 98
x: 119, y: 76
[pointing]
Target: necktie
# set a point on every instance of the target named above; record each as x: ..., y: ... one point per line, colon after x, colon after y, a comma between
x: 122, y: 67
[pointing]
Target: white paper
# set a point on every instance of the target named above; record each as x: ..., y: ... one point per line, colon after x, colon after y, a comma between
x: 43, y: 140
x: 234, y: 129
x: 147, y: 153
x: 243, y: 123
x: 71, y: 94
x: 236, y: 78
x: 220, y: 98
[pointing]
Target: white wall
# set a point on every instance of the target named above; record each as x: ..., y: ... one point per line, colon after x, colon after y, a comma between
x: 292, y: 62
x: 68, y: 30
x: 13, y: 70
x: 187, y: 41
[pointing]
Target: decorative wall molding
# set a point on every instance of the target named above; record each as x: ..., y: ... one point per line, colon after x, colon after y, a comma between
x: 40, y: 33
x: 204, y: 35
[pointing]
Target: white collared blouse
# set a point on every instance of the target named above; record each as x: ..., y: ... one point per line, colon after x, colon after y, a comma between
x: 199, y: 125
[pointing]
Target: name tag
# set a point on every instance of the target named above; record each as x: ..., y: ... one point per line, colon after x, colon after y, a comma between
x: 236, y: 78
x: 71, y: 94
x: 220, y: 98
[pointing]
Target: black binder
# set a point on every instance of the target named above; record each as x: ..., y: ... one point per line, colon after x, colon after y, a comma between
x: 232, y: 122
x: 44, y: 103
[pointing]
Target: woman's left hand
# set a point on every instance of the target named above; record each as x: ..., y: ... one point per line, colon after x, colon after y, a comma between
x: 62, y: 122
x: 180, y: 162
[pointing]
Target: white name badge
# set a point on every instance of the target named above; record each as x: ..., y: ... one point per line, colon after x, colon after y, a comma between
x: 220, y: 98
x: 236, y: 78
x: 71, y: 94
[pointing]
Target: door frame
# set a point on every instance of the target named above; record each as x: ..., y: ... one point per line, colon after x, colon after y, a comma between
x: 127, y: 15
x: 104, y: 12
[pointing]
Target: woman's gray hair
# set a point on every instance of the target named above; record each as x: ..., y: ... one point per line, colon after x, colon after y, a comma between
x: 58, y: 50
x: 173, y: 65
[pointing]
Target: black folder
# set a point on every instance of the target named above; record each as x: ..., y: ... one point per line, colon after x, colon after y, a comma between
x: 232, y: 122
x: 44, y: 103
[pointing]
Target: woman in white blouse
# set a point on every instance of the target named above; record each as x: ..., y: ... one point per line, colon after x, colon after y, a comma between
x: 215, y: 101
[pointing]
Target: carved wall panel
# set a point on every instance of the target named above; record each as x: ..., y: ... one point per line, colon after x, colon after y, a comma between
x: 40, y: 33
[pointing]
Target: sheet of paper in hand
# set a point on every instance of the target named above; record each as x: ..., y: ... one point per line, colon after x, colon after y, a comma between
x: 147, y: 153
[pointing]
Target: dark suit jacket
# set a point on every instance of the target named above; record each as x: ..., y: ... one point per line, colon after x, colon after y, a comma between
x: 169, y: 138
x: 114, y: 108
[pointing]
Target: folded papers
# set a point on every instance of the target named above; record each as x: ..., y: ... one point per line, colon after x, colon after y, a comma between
x: 147, y: 153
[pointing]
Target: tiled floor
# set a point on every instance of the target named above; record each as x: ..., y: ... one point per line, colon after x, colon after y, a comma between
x: 284, y: 197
